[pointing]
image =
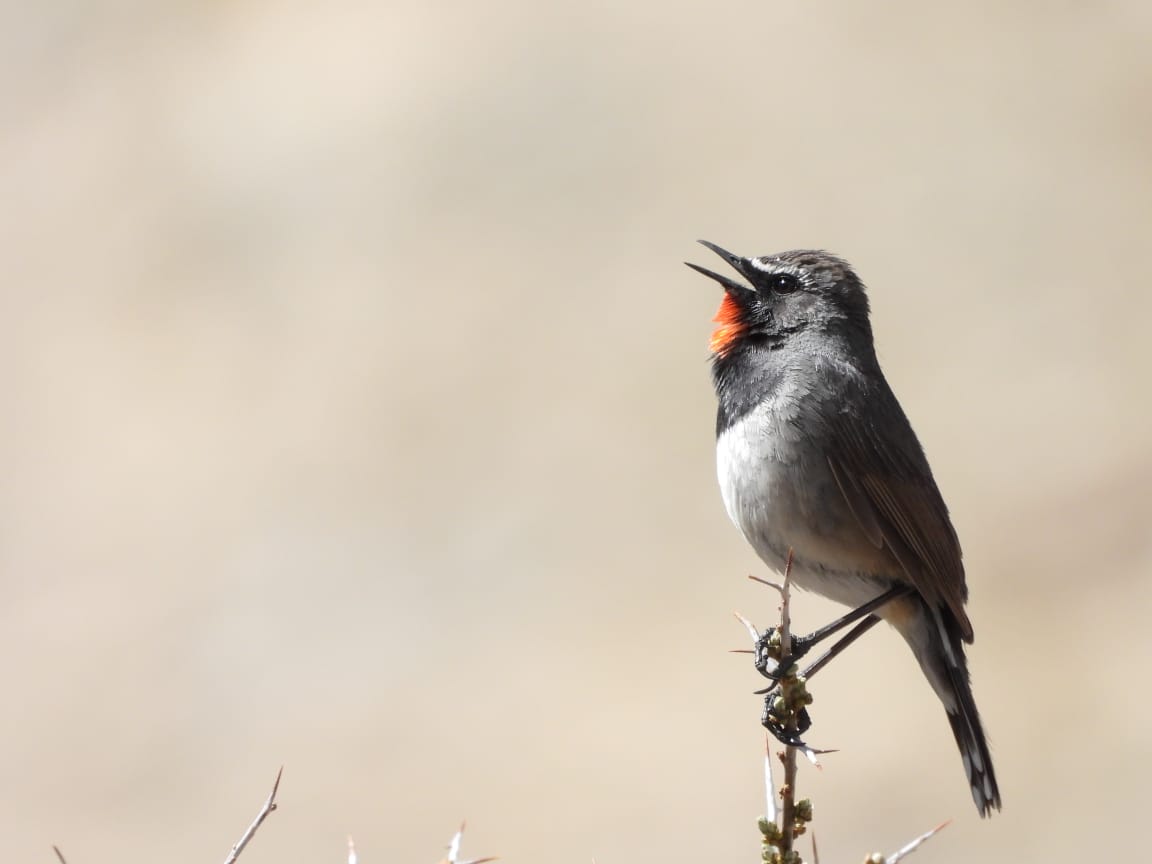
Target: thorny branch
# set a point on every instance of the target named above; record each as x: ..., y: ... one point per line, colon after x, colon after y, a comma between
x: 788, y: 791
x: 782, y: 716
x: 780, y: 827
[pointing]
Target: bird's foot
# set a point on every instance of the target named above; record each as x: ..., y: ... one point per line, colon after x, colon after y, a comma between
x: 767, y: 652
x: 780, y: 728
x: 785, y: 712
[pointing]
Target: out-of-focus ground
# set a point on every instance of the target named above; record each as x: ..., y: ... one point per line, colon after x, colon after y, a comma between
x: 356, y: 417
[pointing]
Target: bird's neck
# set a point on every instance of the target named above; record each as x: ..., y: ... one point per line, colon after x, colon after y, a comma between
x: 751, y: 375
x: 744, y: 378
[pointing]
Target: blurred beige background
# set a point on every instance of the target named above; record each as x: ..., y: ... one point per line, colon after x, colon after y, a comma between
x: 356, y: 417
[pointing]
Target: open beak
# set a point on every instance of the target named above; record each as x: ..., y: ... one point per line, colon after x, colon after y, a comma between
x: 740, y: 265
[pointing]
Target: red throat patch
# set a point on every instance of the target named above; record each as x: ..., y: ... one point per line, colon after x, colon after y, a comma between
x: 730, y: 317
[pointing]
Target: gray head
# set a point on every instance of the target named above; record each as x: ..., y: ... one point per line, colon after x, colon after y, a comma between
x: 788, y: 294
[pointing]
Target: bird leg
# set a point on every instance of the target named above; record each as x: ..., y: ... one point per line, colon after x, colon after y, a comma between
x: 833, y: 652
x: 801, y: 645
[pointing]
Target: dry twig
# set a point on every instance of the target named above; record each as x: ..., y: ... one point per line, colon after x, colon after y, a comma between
x: 908, y: 848
x: 268, y: 807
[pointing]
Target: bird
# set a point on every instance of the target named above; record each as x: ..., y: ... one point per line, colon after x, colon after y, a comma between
x: 817, y: 460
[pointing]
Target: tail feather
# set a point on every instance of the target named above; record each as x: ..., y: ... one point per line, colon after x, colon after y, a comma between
x: 936, y: 640
x: 965, y: 722
x: 977, y: 761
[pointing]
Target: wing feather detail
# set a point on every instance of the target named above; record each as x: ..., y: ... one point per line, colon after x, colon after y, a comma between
x: 891, y: 492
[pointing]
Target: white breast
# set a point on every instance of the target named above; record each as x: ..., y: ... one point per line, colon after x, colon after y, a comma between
x: 779, y: 491
x: 752, y: 465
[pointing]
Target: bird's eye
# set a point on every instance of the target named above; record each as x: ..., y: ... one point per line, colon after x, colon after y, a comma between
x: 783, y: 283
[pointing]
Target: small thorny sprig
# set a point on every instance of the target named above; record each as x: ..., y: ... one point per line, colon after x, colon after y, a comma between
x: 785, y: 715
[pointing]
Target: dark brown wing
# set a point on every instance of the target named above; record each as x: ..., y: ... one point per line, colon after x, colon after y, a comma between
x: 890, y: 490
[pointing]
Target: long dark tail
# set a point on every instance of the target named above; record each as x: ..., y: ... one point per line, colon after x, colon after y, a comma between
x: 953, y: 685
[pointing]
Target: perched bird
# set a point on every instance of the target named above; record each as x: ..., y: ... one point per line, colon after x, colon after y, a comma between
x: 814, y: 454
